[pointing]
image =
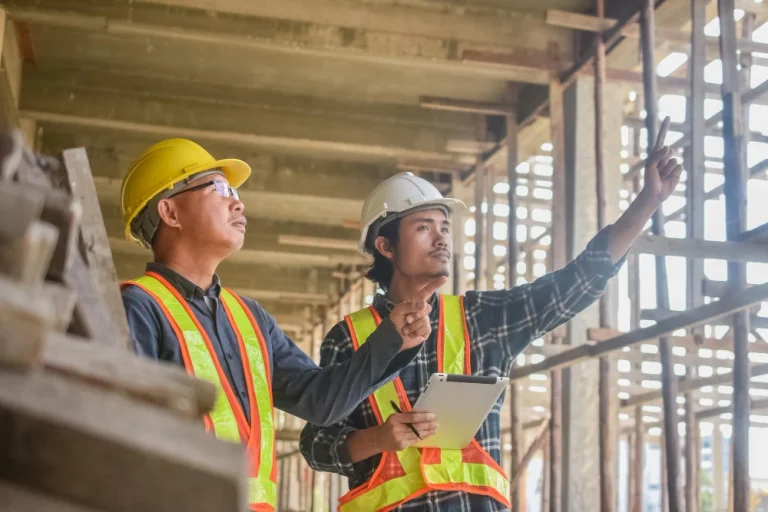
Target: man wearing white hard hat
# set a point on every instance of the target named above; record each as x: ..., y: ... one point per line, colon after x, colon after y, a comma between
x: 406, y: 227
x: 183, y: 204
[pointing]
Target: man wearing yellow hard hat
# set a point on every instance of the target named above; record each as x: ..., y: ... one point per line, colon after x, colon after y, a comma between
x: 183, y: 204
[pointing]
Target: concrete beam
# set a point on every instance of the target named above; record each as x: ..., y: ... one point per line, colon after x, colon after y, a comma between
x: 356, y: 138
x: 477, y: 24
x: 285, y: 284
x: 308, y: 36
x: 258, y: 257
x: 318, y: 210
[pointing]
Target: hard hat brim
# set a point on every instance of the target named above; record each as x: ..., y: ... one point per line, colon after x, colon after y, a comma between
x: 236, y: 171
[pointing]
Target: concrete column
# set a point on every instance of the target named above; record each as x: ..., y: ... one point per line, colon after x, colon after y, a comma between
x: 581, y: 463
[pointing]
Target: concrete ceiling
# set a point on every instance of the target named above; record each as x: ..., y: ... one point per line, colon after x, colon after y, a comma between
x: 321, y: 97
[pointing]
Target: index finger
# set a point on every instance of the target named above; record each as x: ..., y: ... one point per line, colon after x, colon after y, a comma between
x: 431, y: 287
x: 662, y: 135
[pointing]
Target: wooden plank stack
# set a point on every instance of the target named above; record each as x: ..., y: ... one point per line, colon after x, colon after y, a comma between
x: 85, y: 425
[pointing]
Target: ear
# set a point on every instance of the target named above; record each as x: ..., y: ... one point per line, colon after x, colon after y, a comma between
x: 383, y: 245
x: 169, y: 213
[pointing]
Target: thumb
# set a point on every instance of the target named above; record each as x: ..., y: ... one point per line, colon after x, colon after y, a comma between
x: 431, y: 287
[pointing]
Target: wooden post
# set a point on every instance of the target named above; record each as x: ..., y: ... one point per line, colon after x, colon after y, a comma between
x: 607, y: 382
x: 490, y: 219
x: 669, y: 382
x: 513, y: 251
x: 516, y: 467
x: 664, y: 474
x: 735, y: 212
x: 691, y: 449
x: 630, y: 471
x: 718, y: 494
x: 512, y: 255
x: 637, y: 487
x: 694, y: 158
x: 479, y: 234
x: 558, y: 260
x: 545, y: 462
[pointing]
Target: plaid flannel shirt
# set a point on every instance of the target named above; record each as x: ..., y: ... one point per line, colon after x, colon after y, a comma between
x: 501, y: 324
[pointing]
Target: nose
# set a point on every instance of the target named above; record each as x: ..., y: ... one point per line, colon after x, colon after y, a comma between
x: 237, y: 205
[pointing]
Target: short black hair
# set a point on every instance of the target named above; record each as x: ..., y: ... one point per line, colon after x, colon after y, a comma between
x: 382, y: 270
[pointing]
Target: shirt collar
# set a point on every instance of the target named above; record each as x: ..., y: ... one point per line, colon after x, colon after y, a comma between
x: 187, y: 288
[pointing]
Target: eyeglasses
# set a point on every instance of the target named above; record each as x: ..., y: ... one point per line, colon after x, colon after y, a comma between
x: 222, y: 188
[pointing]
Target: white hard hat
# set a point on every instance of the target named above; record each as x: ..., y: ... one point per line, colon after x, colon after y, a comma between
x: 399, y: 195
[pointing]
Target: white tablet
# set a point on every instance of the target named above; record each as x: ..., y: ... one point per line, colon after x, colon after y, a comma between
x: 461, y: 404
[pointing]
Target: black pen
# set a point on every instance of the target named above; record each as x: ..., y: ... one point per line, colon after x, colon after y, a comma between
x: 398, y: 411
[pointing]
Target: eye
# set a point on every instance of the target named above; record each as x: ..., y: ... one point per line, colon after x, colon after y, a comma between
x: 423, y: 227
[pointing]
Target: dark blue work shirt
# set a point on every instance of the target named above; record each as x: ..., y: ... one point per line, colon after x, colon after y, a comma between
x: 299, y: 387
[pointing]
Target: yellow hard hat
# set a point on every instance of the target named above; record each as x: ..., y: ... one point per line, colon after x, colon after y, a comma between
x: 164, y: 165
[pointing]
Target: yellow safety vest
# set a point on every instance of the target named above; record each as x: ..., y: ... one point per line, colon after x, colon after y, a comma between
x: 404, y: 475
x: 227, y: 419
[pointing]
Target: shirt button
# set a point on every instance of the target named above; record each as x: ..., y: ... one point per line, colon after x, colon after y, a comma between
x: 229, y: 356
x: 243, y: 394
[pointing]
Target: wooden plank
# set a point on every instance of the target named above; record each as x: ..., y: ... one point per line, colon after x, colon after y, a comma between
x: 15, y: 498
x: 95, y: 240
x: 92, y: 316
x: 717, y: 289
x: 714, y: 412
x: 66, y: 215
x: 469, y: 106
x: 517, y: 465
x: 538, y: 441
x: 760, y: 233
x: 110, y: 452
x: 26, y: 315
x: 692, y: 248
x: 696, y: 316
x: 112, y: 368
x: 578, y: 21
x: 690, y: 385
x: 30, y: 257
x: 63, y: 300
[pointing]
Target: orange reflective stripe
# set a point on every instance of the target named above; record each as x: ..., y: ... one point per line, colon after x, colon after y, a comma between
x: 470, y: 470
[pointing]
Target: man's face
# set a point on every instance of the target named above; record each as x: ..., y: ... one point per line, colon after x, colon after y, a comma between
x: 207, y: 218
x: 425, y: 245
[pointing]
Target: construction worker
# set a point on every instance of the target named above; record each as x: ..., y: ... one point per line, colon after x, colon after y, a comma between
x: 183, y: 204
x: 405, y: 226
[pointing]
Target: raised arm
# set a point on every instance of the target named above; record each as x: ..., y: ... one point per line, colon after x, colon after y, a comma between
x: 523, y: 313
